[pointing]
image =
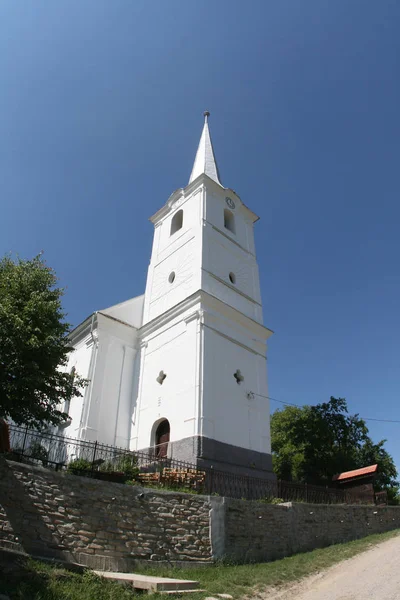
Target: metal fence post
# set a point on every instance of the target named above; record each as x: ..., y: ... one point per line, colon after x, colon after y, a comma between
x: 211, y: 481
x: 94, y: 456
x: 305, y: 485
x: 25, y: 436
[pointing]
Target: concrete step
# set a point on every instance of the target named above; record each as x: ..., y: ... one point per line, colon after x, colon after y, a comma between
x: 151, y: 583
x: 172, y: 592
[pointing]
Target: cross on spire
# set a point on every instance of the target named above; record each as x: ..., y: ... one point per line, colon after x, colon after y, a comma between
x: 205, y: 160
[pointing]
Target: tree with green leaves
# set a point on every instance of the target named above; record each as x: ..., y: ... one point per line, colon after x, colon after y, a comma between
x: 313, y: 443
x: 33, y: 345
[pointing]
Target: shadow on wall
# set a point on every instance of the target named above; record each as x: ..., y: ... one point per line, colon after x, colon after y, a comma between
x: 25, y: 528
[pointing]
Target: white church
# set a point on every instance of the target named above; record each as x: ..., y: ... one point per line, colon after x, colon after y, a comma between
x: 182, y: 369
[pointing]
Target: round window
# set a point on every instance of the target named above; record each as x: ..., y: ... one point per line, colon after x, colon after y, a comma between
x: 171, y: 277
x: 232, y: 277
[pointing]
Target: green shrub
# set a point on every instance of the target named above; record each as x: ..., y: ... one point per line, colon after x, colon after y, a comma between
x: 167, y: 488
x: 38, y: 452
x: 126, y: 464
x: 271, y: 500
x: 78, y: 465
x: 107, y: 467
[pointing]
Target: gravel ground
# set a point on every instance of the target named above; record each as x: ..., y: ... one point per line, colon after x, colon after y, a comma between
x: 374, y: 574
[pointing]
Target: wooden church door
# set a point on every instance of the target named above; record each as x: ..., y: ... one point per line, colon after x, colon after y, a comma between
x: 162, y: 439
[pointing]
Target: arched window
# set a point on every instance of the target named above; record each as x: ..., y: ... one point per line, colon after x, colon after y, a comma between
x: 229, y: 220
x: 177, y: 222
x: 162, y: 438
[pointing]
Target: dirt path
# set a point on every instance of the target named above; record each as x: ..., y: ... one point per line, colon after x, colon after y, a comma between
x: 374, y: 574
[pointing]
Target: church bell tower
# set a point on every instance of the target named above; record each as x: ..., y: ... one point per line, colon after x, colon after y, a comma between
x: 202, y: 382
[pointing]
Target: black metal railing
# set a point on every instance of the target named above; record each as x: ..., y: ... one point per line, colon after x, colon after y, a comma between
x: 154, y: 467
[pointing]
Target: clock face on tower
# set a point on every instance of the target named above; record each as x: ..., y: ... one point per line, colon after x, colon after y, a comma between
x: 230, y: 202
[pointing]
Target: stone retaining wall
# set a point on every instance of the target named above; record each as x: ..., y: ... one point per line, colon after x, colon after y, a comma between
x: 103, y: 525
x: 111, y: 526
x: 263, y: 532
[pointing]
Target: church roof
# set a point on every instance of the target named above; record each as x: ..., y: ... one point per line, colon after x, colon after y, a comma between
x: 129, y: 312
x: 205, y: 159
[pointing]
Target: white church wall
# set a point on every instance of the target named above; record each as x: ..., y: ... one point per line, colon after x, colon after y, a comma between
x: 220, y: 260
x: 253, y: 337
x: 228, y: 414
x: 173, y: 349
x: 215, y: 205
x: 249, y: 229
x: 80, y: 359
x: 175, y: 278
x: 174, y: 271
x: 191, y: 209
x: 107, y: 419
x: 123, y: 412
x: 224, y: 292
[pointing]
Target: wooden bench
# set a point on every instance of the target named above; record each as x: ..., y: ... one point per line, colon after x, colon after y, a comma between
x: 149, y: 478
x: 187, y: 477
x: 190, y: 478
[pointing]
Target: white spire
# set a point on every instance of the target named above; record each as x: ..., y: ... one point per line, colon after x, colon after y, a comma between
x: 205, y: 160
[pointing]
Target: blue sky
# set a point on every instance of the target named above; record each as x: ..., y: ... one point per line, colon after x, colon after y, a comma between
x: 100, y: 115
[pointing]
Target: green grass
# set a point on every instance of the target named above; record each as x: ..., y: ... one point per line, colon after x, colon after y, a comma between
x: 242, y: 580
x: 25, y: 579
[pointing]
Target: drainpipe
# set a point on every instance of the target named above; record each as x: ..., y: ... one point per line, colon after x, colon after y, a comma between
x: 88, y: 395
x: 121, y: 379
x: 91, y: 326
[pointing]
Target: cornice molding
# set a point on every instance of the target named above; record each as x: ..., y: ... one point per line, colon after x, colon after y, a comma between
x: 235, y: 341
x: 176, y: 200
x: 194, y: 316
x: 228, y: 237
x: 200, y: 296
x: 202, y: 182
x: 232, y: 287
x: 82, y: 330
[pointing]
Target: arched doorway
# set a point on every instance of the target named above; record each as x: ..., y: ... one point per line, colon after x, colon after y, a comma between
x: 162, y: 439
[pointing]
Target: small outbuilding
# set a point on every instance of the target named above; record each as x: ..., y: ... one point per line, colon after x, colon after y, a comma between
x: 359, y: 482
